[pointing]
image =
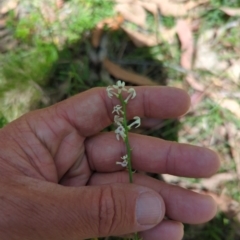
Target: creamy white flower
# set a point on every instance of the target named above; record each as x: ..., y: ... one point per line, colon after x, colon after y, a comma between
x: 120, y: 132
x: 137, y: 122
x: 124, y: 163
x: 120, y: 86
x: 110, y: 91
x: 117, y: 109
x: 118, y: 120
x: 132, y: 94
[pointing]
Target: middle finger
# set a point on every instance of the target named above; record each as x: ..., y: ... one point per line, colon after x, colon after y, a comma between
x: 151, y: 154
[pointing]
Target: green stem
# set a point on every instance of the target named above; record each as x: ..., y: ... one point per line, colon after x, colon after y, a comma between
x: 136, y: 236
x: 129, y: 150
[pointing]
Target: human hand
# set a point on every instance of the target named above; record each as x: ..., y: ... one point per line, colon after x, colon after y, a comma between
x: 59, y: 178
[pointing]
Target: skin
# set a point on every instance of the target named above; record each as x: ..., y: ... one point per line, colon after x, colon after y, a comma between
x: 59, y: 178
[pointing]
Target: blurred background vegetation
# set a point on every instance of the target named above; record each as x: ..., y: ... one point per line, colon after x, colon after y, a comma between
x: 51, y: 50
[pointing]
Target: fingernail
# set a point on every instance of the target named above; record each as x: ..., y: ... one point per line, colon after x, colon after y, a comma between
x: 149, y: 209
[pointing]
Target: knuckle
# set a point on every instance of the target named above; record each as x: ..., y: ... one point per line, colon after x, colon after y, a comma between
x: 109, y: 212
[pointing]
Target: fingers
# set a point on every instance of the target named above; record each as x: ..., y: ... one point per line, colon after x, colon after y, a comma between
x: 151, y: 155
x: 165, y: 230
x: 181, y: 205
x: 50, y: 211
x: 53, y: 138
x: 91, y: 111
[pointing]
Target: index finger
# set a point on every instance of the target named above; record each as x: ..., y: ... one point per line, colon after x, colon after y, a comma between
x: 91, y: 111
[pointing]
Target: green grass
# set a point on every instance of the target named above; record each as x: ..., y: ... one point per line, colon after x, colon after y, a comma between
x: 3, y: 121
x: 41, y: 45
x: 215, y: 17
x: 220, y: 228
x: 225, y: 3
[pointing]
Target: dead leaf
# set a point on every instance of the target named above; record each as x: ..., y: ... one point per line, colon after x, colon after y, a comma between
x: 170, y: 178
x: 226, y: 204
x: 206, y: 58
x: 196, y: 85
x: 231, y: 11
x: 234, y: 71
x: 150, y: 6
x: 125, y: 1
x: 169, y: 8
x: 179, y: 1
x: 166, y: 7
x: 181, y: 182
x: 140, y: 39
x: 2, y: 22
x: 196, y: 98
x: 131, y: 77
x: 215, y: 181
x: 150, y: 40
x: 230, y: 207
x: 112, y: 23
x: 8, y: 6
x: 195, y: 24
x: 193, y: 4
x: 96, y: 36
x: 59, y: 3
x: 133, y: 13
x: 187, y: 45
x: 48, y: 12
x: 185, y: 36
x: 231, y: 105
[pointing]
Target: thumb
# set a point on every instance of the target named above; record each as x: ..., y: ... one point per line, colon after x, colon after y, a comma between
x: 43, y: 210
x: 119, y: 209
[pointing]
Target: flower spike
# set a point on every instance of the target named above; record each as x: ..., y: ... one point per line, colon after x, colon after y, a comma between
x: 120, y: 132
x: 122, y: 127
x: 124, y: 163
x: 109, y: 91
x: 132, y: 94
x: 137, y: 122
x: 117, y: 109
x: 120, y: 86
x: 118, y: 120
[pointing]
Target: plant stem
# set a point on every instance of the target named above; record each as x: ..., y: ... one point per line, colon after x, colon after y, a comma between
x: 129, y: 150
x: 136, y: 236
